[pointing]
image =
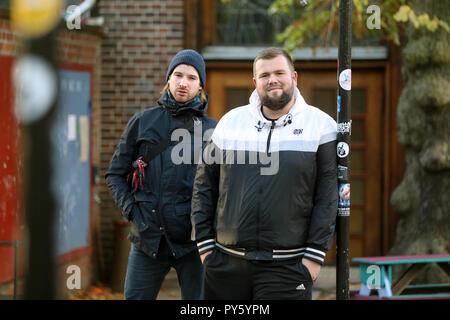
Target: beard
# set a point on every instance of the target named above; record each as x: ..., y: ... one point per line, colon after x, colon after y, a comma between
x: 278, y: 103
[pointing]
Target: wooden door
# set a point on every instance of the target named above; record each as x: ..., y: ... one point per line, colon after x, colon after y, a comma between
x: 319, y: 89
x: 228, y: 88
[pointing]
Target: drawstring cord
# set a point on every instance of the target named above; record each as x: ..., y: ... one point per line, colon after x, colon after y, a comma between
x: 260, y: 125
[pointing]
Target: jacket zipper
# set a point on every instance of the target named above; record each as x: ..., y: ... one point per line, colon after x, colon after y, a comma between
x: 260, y: 190
x: 270, y: 135
x: 257, y: 221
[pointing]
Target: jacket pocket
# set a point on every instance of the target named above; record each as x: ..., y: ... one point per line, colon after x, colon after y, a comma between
x: 178, y: 223
x: 138, y: 218
x: 182, y: 209
x: 304, y: 270
x: 209, y: 256
x: 143, y: 196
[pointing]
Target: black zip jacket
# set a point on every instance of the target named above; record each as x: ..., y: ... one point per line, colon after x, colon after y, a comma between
x: 163, y: 206
x: 267, y: 190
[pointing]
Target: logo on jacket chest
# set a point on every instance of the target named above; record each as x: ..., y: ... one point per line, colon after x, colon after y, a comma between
x: 298, y: 132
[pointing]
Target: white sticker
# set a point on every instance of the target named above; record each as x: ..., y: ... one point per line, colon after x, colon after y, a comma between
x: 345, y: 79
x: 345, y: 127
x: 71, y: 127
x: 344, y: 212
x: 342, y: 149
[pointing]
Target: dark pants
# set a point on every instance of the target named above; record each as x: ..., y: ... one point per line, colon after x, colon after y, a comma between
x: 231, y: 278
x: 146, y: 274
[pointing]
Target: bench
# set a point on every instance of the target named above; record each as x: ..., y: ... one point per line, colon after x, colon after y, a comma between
x: 376, y: 274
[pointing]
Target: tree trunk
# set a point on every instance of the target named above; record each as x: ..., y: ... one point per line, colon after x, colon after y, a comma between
x: 422, y: 200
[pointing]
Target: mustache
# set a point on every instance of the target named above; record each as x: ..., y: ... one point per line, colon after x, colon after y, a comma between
x: 273, y: 87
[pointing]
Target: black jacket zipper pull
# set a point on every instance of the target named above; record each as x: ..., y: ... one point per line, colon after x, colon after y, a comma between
x: 270, y: 135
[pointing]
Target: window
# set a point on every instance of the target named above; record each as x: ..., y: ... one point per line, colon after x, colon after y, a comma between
x: 5, y: 4
x: 239, y: 29
x: 247, y: 23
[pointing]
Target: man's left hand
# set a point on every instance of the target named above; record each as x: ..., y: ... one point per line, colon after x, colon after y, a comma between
x: 313, y: 267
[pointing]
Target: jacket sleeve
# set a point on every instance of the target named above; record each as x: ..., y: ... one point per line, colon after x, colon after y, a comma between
x: 204, y: 200
x: 324, y: 212
x: 121, y: 166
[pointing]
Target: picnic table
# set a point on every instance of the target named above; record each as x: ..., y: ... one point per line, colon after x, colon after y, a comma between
x: 376, y: 274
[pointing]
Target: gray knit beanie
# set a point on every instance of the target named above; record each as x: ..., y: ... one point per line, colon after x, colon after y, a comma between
x: 192, y: 58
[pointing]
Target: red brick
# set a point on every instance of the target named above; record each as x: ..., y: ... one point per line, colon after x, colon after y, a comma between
x: 149, y: 34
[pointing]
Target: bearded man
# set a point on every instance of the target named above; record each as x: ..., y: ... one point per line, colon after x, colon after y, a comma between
x: 264, y: 235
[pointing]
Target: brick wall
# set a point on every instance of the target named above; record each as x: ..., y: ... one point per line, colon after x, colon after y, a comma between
x: 129, y: 67
x: 9, y: 41
x: 74, y: 48
x: 83, y: 49
x: 140, y: 39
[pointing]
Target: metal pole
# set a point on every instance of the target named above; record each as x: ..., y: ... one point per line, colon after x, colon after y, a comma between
x: 36, y: 84
x: 343, y: 149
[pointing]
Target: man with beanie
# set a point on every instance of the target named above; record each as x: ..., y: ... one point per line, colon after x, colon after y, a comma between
x: 153, y: 188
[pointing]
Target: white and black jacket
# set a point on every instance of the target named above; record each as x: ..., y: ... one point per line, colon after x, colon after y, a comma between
x: 267, y: 190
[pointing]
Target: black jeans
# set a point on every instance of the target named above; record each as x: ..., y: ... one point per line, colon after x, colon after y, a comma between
x: 232, y: 278
x: 146, y: 274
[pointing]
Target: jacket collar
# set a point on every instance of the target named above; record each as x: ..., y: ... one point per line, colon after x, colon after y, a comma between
x: 195, y: 106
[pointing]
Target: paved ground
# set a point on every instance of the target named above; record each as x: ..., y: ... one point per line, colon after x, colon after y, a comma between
x: 324, y: 287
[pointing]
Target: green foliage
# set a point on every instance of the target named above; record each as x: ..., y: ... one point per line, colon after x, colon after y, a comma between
x: 5, y: 4
x: 405, y: 13
x: 316, y: 23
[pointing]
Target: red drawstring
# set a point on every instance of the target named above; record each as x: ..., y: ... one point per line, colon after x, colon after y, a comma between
x: 138, y: 174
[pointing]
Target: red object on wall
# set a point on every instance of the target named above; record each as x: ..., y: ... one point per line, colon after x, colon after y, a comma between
x: 10, y: 171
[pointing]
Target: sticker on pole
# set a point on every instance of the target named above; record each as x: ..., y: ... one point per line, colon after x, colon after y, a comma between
x: 344, y: 195
x: 342, y: 172
x: 345, y: 127
x: 345, y: 79
x: 342, y: 149
x: 338, y: 104
x: 344, y: 212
